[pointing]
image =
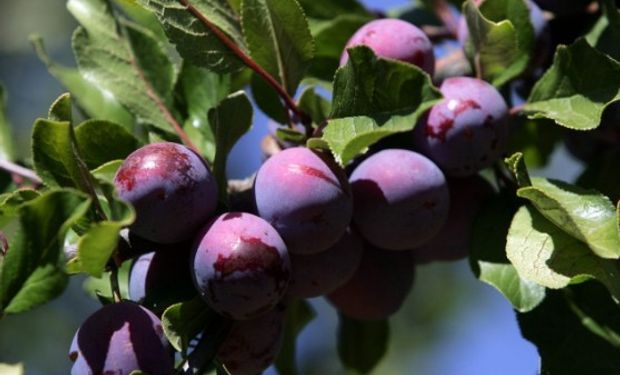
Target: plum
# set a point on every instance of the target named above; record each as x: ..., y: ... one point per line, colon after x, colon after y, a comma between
x: 394, y: 39
x: 120, y: 338
x: 401, y: 199
x: 171, y: 188
x: 306, y: 197
x: 252, y: 345
x: 379, y: 287
x: 241, y: 266
x: 467, y: 130
x: 318, y: 274
x: 453, y: 241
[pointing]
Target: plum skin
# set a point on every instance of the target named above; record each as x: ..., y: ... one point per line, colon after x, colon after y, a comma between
x: 120, y: 338
x: 305, y: 197
x: 401, y: 199
x: 318, y: 274
x: 379, y: 287
x: 171, y: 189
x: 467, y: 130
x: 394, y: 39
x: 240, y: 265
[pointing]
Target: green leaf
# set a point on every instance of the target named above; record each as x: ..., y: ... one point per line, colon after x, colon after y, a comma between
x: 144, y: 17
x: 584, y: 214
x: 605, y: 34
x: 501, y: 38
x: 61, y: 110
x: 516, y: 166
x: 103, y: 141
x: 362, y: 344
x: 11, y: 202
x: 32, y: 271
x: 328, y: 9
x: 95, y: 102
x: 565, y: 344
x: 6, y: 139
x: 314, y: 105
x: 107, y: 171
x: 125, y: 61
x: 99, y: 288
x: 196, y: 43
x: 202, y: 90
x: 268, y: 100
x: 488, y: 257
x: 279, y: 40
x: 6, y: 369
x: 600, y: 174
x: 536, y: 139
x: 544, y: 254
x: 565, y: 95
x: 229, y: 121
x: 298, y: 315
x: 183, y: 321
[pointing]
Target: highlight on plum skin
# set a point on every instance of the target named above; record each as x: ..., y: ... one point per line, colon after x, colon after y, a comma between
x: 318, y: 274
x: 253, y: 345
x: 467, y: 130
x: 401, y: 199
x: 306, y: 197
x: 379, y: 287
x: 240, y: 265
x: 171, y: 188
x: 120, y: 338
x: 394, y: 39
x: 453, y: 242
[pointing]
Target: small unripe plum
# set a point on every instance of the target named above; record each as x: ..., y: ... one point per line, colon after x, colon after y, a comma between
x: 379, y: 287
x: 453, y: 242
x: 394, y: 39
x: 318, y: 274
x: 305, y: 197
x: 241, y: 266
x: 401, y: 199
x: 170, y: 187
x: 253, y: 345
x: 467, y: 130
x: 120, y: 338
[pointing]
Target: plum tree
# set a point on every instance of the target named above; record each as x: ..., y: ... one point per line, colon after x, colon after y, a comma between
x: 394, y: 39
x: 171, y: 189
x: 379, y: 286
x: 401, y: 199
x: 305, y: 197
x: 318, y: 274
x: 453, y: 241
x: 120, y: 338
x: 240, y: 266
x: 467, y: 130
x: 252, y: 345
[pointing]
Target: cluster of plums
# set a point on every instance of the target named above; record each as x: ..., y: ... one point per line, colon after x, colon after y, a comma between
x: 317, y: 229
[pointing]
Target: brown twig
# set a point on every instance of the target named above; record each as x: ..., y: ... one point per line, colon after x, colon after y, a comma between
x: 18, y: 170
x: 516, y: 110
x: 247, y: 60
x: 443, y: 12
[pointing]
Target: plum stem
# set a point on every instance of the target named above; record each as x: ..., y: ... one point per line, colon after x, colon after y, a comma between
x: 116, y: 290
x: 18, y: 170
x: 516, y: 110
x: 247, y: 60
x: 444, y: 13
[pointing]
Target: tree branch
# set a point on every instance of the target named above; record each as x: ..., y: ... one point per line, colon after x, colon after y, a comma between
x: 18, y: 170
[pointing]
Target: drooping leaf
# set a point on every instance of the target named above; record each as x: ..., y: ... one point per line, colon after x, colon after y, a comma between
x: 605, y: 34
x: 95, y: 102
x: 488, y: 255
x: 544, y: 254
x: 6, y: 139
x: 278, y: 38
x: 195, y: 42
x: 102, y: 141
x: 183, y: 321
x: 501, y: 38
x: 298, y: 315
x: 564, y: 95
x: 362, y: 344
x: 125, y: 61
x: 586, y: 215
x: 317, y: 107
x: 32, y: 271
x: 268, y: 100
x: 229, y: 121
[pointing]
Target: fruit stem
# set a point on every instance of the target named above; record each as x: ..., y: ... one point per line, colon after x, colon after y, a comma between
x: 247, y: 60
x: 116, y: 290
x: 18, y: 170
x: 516, y: 110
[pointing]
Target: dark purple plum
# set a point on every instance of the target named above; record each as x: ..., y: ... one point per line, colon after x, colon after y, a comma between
x: 120, y: 338
x: 453, y: 242
x: 160, y: 278
x: 401, y: 199
x: 171, y: 188
x: 394, y: 39
x: 253, y: 345
x: 467, y: 130
x: 379, y: 287
x: 241, y: 266
x: 318, y: 274
x: 306, y: 197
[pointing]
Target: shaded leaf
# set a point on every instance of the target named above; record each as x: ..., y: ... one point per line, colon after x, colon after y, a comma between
x: 183, y: 321
x: 298, y: 315
x: 605, y: 34
x: 362, y: 344
x: 103, y: 141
